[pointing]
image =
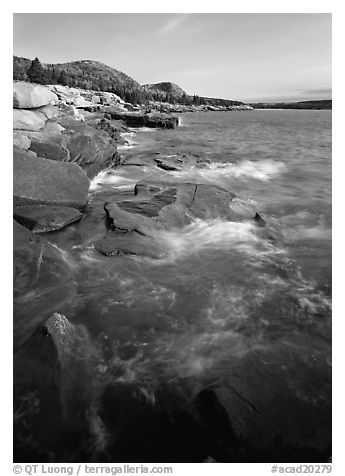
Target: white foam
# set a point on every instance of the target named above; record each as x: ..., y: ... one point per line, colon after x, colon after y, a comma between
x: 130, y: 143
x: 212, y: 234
x: 112, y: 179
x: 216, y: 171
x: 301, y: 232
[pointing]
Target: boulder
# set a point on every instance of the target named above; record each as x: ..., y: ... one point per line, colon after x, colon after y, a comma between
x: 30, y: 96
x: 42, y: 282
x: 176, y: 162
x: 124, y: 221
x: 136, y: 119
x: 80, y: 102
x: 131, y: 243
x: 211, y: 201
x: 257, y: 414
x: 64, y: 93
x: 28, y: 120
x: 21, y: 141
x: 177, y: 203
x: 90, y: 148
x: 134, y: 224
x: 48, y: 182
x: 49, y: 142
x: 49, y: 111
x: 45, y: 218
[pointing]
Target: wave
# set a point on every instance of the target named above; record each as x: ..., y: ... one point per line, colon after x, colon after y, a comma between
x: 130, y: 143
x: 216, y: 171
x: 215, y: 234
x: 112, y: 179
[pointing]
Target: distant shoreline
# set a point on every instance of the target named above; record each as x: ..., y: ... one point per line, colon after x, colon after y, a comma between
x: 324, y: 104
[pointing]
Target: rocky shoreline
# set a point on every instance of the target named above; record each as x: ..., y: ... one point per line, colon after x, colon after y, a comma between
x: 62, y: 141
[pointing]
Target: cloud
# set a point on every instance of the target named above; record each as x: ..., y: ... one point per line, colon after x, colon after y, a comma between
x: 172, y: 24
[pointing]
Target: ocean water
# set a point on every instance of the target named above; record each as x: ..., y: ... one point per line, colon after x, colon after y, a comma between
x: 226, y: 302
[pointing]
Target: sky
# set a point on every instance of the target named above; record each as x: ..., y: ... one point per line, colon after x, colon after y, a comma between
x: 245, y: 57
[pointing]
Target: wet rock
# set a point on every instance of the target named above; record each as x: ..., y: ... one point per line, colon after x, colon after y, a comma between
x: 38, y: 431
x: 165, y: 430
x: 166, y: 164
x: 145, y: 189
x: 266, y: 424
x: 176, y: 162
x: 131, y: 243
x: 177, y: 204
x: 133, y: 119
x: 259, y: 220
x: 47, y: 182
x: 123, y: 221
x: 29, y: 95
x: 211, y: 201
x: 45, y: 218
x: 138, y: 161
x: 42, y: 282
x: 136, y: 223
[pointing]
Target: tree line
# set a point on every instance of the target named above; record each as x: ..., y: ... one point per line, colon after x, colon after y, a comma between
x: 97, y: 80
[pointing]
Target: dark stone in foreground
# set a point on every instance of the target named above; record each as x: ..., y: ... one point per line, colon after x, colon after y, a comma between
x: 47, y: 182
x: 42, y: 282
x: 272, y: 424
x: 45, y: 218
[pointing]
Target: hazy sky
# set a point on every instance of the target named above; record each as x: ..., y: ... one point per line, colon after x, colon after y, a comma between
x: 235, y: 56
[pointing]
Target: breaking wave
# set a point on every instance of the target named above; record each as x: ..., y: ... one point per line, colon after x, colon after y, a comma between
x: 216, y: 171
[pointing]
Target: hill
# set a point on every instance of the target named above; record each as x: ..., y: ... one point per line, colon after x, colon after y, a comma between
x: 166, y: 87
x: 96, y: 76
x: 321, y: 104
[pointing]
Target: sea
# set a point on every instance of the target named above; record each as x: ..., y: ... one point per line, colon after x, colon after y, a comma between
x: 226, y: 303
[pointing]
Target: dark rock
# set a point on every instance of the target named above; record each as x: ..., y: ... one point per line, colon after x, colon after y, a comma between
x: 42, y: 282
x: 49, y: 142
x: 165, y: 430
x: 123, y: 221
x: 259, y: 220
x: 92, y: 149
x: 49, y: 146
x: 131, y: 243
x: 133, y: 119
x: 165, y: 165
x: 44, y: 218
x: 177, y: 161
x: 176, y: 203
x: 47, y: 182
x: 135, y: 223
x: 211, y: 201
x: 112, y: 128
x: 38, y: 431
x: 270, y: 424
